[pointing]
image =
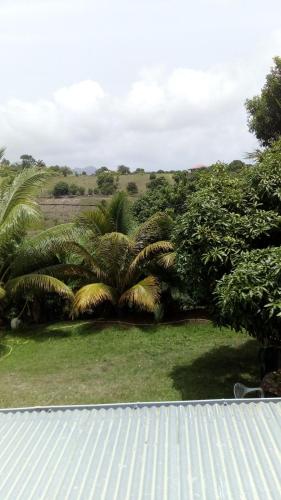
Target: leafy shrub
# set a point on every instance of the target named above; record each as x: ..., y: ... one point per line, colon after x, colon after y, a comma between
x: 61, y: 188
x: 152, y: 176
x: 222, y: 219
x: 106, y: 183
x: 250, y: 296
x: 157, y: 182
x: 73, y: 189
x: 90, y: 191
x: 132, y: 188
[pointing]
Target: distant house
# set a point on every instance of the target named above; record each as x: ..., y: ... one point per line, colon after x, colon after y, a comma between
x: 208, y: 450
x: 196, y: 167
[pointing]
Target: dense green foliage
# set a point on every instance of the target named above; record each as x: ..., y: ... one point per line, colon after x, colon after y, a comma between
x: 208, y: 237
x: 107, y: 182
x: 132, y: 188
x: 164, y: 196
x: 62, y: 188
x: 227, y: 214
x: 19, y: 279
x: 250, y: 296
x: 157, y: 198
x: 264, y: 110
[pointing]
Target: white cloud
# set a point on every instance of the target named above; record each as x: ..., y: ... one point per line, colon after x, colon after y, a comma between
x: 165, y: 120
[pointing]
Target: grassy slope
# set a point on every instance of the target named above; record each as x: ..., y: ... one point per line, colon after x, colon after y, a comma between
x: 89, y: 181
x: 64, y: 211
x: 76, y: 363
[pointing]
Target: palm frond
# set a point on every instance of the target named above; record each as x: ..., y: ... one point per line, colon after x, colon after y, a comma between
x: 149, y: 252
x: 167, y: 260
x: 90, y: 296
x: 2, y: 293
x: 157, y: 228
x: 65, y: 271
x: 107, y: 218
x: 43, y: 249
x: 119, y: 213
x: 95, y: 221
x: 144, y: 295
x: 113, y: 253
x: 17, y: 201
x: 38, y: 283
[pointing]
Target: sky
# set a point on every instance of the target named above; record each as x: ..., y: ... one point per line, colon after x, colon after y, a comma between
x: 145, y: 83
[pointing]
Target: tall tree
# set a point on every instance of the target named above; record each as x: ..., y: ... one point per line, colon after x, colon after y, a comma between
x: 123, y: 170
x: 264, y: 110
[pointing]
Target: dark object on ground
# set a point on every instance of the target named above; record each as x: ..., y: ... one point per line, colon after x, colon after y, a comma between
x: 271, y: 384
x: 270, y: 359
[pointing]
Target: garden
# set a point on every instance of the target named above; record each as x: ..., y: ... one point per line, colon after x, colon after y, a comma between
x: 171, y: 295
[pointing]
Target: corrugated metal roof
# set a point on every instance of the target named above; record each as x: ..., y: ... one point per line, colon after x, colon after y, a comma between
x: 166, y: 451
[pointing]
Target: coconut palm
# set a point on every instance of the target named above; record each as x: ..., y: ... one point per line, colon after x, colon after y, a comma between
x: 18, y: 211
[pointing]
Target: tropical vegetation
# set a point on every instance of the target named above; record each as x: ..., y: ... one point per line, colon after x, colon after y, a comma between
x: 207, y: 239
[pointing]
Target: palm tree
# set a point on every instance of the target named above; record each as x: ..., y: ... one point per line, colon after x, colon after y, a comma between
x: 18, y: 211
x: 120, y: 268
x: 92, y: 256
x: 113, y: 267
x: 107, y: 217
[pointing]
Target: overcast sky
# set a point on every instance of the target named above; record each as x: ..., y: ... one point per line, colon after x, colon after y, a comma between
x: 146, y: 83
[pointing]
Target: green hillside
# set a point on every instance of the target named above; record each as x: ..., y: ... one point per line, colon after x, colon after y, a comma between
x: 59, y: 210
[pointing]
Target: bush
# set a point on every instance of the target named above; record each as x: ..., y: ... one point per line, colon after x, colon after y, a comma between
x: 157, y: 182
x: 132, y: 188
x: 90, y: 192
x: 250, y: 296
x: 152, y: 176
x: 81, y: 190
x: 106, y: 183
x: 73, y: 189
x: 222, y: 219
x: 60, y: 189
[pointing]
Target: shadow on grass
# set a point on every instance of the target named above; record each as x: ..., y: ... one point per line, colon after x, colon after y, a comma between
x: 213, y: 375
x: 45, y: 332
x: 4, y: 350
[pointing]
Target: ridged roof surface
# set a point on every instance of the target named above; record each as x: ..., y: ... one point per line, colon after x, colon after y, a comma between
x: 165, y: 451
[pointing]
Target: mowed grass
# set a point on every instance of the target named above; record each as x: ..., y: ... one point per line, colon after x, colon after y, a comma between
x: 86, y: 363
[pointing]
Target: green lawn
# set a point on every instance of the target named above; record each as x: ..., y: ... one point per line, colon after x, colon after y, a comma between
x: 81, y: 362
